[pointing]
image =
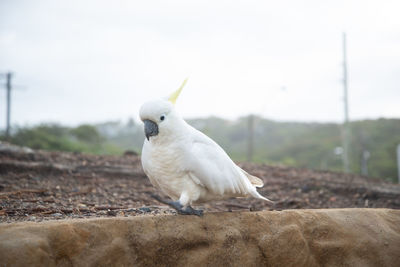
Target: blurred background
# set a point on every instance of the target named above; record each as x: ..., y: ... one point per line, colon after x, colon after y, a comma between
x: 298, y: 83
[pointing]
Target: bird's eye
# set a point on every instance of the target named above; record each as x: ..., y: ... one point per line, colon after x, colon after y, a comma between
x: 162, y: 117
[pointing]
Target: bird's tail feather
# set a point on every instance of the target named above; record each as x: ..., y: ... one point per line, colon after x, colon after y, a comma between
x: 257, y: 182
x: 255, y: 194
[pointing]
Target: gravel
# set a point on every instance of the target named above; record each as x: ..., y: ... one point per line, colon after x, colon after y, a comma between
x: 40, y: 186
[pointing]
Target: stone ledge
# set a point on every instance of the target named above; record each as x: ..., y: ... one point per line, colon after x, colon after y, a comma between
x: 334, y: 237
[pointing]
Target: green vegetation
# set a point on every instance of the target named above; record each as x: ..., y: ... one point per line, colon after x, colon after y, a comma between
x: 84, y: 138
x: 309, y: 145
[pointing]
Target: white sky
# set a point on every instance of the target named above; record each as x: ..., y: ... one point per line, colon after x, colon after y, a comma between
x: 91, y: 61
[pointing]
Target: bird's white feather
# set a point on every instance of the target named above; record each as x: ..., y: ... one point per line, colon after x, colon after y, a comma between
x: 212, y: 167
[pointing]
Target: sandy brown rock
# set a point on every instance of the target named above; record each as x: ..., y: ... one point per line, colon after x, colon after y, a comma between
x: 337, y: 237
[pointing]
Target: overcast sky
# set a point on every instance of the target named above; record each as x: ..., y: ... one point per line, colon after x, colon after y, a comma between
x: 92, y: 61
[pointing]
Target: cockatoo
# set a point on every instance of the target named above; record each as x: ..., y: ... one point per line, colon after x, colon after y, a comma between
x: 187, y: 165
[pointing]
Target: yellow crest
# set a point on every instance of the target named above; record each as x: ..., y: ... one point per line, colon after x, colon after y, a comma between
x: 174, y: 96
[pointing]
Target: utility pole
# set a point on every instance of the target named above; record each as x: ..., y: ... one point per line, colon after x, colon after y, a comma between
x: 8, y: 88
x: 250, y: 138
x: 398, y: 161
x: 8, y: 85
x: 365, y: 155
x: 346, y: 125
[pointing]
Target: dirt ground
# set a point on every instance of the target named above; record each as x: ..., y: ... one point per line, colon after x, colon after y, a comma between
x: 40, y: 185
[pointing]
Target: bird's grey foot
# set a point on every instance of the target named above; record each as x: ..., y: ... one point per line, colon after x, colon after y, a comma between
x: 191, y: 211
x: 184, y: 211
x: 178, y: 207
x: 175, y: 204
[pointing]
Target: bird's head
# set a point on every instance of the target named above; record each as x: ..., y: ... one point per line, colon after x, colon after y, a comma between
x: 159, y: 116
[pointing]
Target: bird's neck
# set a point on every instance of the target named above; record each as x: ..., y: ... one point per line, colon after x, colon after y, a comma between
x: 172, y: 136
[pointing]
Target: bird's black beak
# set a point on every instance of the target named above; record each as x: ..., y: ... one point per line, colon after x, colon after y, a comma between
x: 150, y: 128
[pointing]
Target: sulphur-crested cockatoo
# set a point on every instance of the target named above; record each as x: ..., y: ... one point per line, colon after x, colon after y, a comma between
x: 187, y: 165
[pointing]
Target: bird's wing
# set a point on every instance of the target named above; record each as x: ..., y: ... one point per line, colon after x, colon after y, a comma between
x: 257, y: 182
x: 209, y: 166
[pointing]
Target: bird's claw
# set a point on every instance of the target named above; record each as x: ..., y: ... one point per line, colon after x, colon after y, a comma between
x: 190, y: 211
x: 178, y: 207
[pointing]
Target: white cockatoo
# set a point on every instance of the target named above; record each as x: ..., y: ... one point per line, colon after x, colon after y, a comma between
x: 187, y: 165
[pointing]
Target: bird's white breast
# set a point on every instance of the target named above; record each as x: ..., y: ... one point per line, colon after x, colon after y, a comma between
x: 163, y: 165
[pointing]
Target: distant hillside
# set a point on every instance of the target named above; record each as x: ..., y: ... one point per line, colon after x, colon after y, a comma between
x: 309, y: 145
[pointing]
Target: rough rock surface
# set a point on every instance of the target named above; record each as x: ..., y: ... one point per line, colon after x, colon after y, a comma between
x: 326, y: 237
